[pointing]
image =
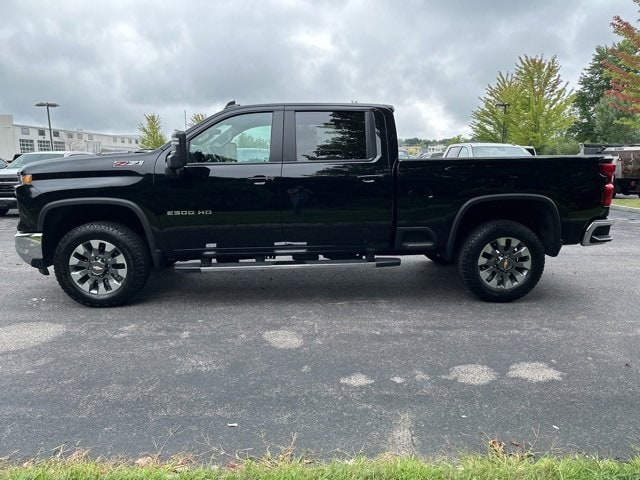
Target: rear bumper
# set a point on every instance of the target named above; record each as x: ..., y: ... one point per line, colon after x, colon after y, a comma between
x: 29, y: 247
x: 597, y: 232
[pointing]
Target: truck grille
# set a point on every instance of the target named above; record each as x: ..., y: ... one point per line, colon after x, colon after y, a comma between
x: 8, y: 185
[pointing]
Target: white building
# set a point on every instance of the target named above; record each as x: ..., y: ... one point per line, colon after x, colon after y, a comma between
x: 18, y: 138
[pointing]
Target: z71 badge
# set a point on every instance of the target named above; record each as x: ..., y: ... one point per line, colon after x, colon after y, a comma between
x: 128, y: 163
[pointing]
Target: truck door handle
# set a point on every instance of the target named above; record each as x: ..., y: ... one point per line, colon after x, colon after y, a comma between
x: 369, y: 178
x: 259, y: 179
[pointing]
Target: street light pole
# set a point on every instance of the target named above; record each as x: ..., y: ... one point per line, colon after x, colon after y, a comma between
x: 504, y: 107
x: 52, y: 105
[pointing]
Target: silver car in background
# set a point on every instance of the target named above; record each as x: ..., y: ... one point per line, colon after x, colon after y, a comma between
x: 9, y: 174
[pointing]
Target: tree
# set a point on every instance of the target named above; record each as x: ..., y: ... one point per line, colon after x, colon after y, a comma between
x: 151, y: 135
x: 491, y: 123
x: 612, y: 125
x: 196, y: 118
x: 594, y: 82
x: 529, y: 107
x: 624, y: 94
x: 597, y: 121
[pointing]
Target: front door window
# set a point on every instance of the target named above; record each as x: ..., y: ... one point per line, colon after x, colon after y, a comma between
x: 240, y: 139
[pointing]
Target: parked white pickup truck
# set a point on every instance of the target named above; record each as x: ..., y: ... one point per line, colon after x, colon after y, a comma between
x: 465, y: 150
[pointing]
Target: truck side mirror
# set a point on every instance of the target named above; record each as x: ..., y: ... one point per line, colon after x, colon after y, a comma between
x: 177, y: 159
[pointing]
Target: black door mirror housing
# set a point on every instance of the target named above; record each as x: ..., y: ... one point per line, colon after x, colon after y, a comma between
x: 177, y: 159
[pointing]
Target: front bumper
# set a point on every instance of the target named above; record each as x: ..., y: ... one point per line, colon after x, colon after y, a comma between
x: 8, y: 202
x: 29, y: 247
x: 597, y: 232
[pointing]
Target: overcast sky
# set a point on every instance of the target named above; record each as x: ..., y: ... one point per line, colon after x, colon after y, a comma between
x: 110, y: 64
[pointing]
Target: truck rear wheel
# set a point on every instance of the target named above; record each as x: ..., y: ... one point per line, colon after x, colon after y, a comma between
x: 501, y: 261
x: 101, y: 264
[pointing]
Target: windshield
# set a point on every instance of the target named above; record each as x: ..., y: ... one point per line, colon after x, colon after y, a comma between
x: 22, y: 160
x: 500, y: 151
x: 3, y: 164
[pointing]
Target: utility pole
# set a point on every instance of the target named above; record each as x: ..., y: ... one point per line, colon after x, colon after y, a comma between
x: 504, y: 107
x: 52, y: 105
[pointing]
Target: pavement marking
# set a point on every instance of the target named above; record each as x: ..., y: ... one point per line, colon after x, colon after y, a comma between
x: 420, y: 375
x: 398, y: 380
x: 534, y: 372
x: 402, y: 439
x: 27, y: 335
x: 283, y: 339
x: 356, y: 380
x: 472, y: 374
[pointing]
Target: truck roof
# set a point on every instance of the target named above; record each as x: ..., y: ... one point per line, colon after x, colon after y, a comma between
x: 318, y: 104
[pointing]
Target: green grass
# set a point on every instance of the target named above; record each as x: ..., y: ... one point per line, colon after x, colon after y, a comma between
x: 492, y: 466
x: 627, y: 202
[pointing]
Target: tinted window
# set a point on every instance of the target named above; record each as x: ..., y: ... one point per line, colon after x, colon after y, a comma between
x: 331, y: 136
x: 243, y: 138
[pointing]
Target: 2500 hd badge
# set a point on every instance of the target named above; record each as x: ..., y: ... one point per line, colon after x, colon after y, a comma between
x: 189, y: 212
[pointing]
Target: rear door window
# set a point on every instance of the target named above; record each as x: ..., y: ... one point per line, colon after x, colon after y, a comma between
x: 337, y: 135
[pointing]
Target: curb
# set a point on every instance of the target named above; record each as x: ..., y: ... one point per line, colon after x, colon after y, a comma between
x: 625, y: 209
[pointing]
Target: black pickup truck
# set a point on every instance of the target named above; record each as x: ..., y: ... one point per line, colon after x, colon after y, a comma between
x: 303, y: 185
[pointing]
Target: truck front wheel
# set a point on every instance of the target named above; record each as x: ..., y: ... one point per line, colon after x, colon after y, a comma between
x: 101, y: 264
x: 501, y: 261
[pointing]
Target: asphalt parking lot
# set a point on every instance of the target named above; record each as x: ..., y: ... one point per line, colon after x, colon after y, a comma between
x: 339, y: 362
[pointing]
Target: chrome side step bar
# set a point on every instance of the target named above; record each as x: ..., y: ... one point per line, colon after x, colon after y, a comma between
x: 204, y: 266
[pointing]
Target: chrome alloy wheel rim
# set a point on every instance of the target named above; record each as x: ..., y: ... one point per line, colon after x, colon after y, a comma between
x: 98, y: 267
x: 504, y: 263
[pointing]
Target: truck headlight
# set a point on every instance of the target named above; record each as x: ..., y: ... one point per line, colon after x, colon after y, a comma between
x: 26, y: 179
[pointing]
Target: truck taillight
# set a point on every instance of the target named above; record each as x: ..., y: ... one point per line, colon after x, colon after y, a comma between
x: 608, y: 170
x: 607, y: 195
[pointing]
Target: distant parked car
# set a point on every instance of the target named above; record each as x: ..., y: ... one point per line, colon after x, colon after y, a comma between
x: 9, y: 175
x: 466, y: 150
x: 403, y: 155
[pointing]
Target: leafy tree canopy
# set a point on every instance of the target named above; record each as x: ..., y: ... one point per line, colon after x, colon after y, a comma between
x: 532, y: 106
x: 624, y: 69
x: 151, y: 135
x: 196, y: 118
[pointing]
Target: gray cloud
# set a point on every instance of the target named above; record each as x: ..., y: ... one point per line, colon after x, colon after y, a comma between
x: 108, y: 65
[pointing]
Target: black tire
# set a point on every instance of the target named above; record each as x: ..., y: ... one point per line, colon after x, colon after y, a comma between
x: 436, y: 258
x: 501, y: 261
x: 3, y: 211
x: 101, y: 264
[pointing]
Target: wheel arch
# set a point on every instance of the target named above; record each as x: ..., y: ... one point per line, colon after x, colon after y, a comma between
x: 59, y: 217
x: 537, y: 212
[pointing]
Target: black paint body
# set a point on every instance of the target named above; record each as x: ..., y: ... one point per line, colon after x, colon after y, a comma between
x: 379, y: 205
